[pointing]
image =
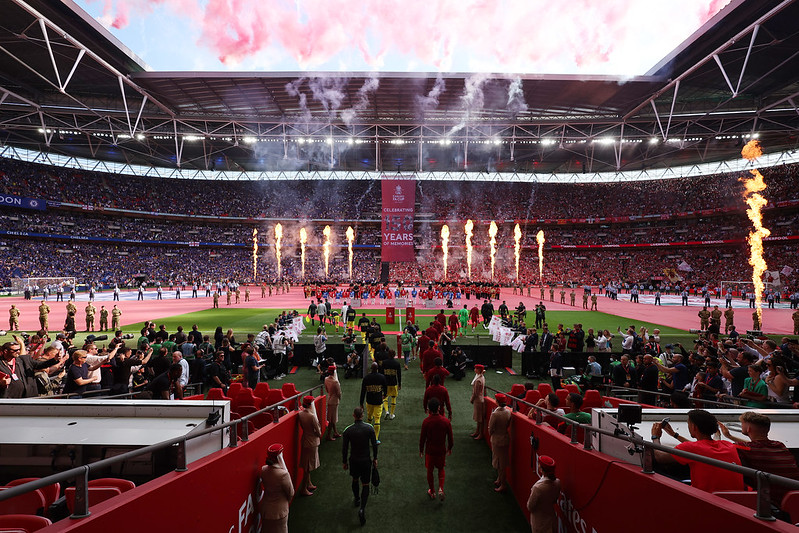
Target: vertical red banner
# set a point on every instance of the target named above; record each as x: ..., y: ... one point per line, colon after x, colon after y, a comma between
x: 399, y: 197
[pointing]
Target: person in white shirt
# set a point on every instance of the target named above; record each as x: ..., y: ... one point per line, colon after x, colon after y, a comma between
x: 177, y: 358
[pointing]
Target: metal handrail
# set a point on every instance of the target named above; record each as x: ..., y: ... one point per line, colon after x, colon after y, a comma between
x: 81, y: 473
x: 764, y: 479
x: 609, y: 387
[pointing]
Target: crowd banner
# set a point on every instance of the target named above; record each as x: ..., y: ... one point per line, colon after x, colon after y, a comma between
x: 25, y: 203
x: 399, y: 197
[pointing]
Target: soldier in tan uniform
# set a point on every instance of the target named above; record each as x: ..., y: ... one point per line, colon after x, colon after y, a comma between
x: 729, y: 316
x: 704, y: 318
x: 90, y: 312
x: 13, y: 318
x: 103, y: 318
x: 115, y: 315
x: 756, y: 325
x: 44, y: 311
x: 715, y: 316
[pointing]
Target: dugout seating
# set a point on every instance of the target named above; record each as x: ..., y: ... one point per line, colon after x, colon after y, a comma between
x: 517, y: 390
x: 261, y: 390
x: 96, y: 495
x: 790, y: 505
x: 195, y: 397
x: 245, y: 397
x: 531, y: 396
x: 23, y: 523
x: 591, y: 400
x: 544, y: 389
x: 50, y: 492
x: 571, y: 387
x: 234, y: 389
x: 32, y: 503
x: 123, y: 485
x: 217, y: 394
x: 562, y: 394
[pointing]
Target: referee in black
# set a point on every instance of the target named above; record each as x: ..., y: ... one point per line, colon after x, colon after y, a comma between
x: 360, y: 436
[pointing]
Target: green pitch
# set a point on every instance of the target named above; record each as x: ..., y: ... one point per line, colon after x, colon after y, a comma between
x: 244, y: 321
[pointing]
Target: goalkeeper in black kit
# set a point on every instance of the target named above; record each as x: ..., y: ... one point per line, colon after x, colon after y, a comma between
x: 373, y: 390
x: 361, y: 437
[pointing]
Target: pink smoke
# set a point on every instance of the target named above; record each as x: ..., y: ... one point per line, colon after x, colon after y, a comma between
x: 500, y: 35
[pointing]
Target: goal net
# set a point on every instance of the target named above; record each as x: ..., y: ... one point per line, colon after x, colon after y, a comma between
x: 18, y: 284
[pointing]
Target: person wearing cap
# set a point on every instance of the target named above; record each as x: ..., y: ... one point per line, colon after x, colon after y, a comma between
x: 543, y: 497
x: 333, y: 390
x: 435, y: 443
x: 278, y: 492
x: 361, y: 438
x: 499, y: 431
x: 373, y: 389
x: 311, y: 439
x: 478, y: 401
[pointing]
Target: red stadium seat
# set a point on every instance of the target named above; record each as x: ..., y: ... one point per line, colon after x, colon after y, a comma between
x: 261, y: 390
x: 32, y: 502
x: 562, y: 394
x: 23, y: 522
x: 234, y: 389
x: 790, y: 504
x: 217, y: 394
x: 544, y: 389
x: 289, y: 390
x: 195, y: 397
x: 571, y: 387
x: 244, y: 410
x: 262, y: 420
x: 123, y: 485
x: 50, y: 492
x: 245, y: 397
x: 96, y: 495
x: 591, y: 400
x: 742, y: 497
x: 275, y: 396
x: 517, y: 390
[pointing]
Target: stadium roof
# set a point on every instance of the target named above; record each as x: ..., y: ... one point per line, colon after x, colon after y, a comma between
x: 67, y: 86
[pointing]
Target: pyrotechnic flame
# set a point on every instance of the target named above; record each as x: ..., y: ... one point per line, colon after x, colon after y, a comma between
x: 254, y: 254
x: 445, y: 246
x: 303, y: 240
x: 517, y: 247
x: 540, y: 239
x: 326, y: 233
x: 492, y: 232
x: 278, y: 239
x: 350, y: 238
x: 468, y: 229
x: 755, y: 201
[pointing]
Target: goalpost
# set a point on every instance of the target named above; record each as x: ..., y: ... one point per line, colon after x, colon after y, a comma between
x: 18, y: 284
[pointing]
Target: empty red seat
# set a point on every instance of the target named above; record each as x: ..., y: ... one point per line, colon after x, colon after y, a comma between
x: 790, y: 504
x: 195, y: 397
x: 234, y: 389
x: 50, y: 492
x: 562, y: 394
x: 544, y: 389
x: 96, y: 495
x: 571, y: 387
x: 289, y: 390
x: 275, y: 396
x: 23, y: 522
x: 217, y: 394
x: 123, y: 485
x: 262, y: 420
x: 591, y: 400
x: 244, y: 410
x: 517, y: 390
x: 245, y: 397
x: 32, y: 502
x: 261, y: 390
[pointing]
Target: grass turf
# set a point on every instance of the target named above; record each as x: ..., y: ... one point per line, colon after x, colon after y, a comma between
x: 402, y: 504
x: 247, y: 320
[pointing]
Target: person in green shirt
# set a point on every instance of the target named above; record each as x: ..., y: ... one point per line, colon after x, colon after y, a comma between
x: 463, y: 317
x: 573, y: 403
x: 755, y: 389
x: 407, y: 344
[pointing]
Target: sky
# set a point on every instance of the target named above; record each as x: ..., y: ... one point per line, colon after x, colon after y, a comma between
x: 587, y: 37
